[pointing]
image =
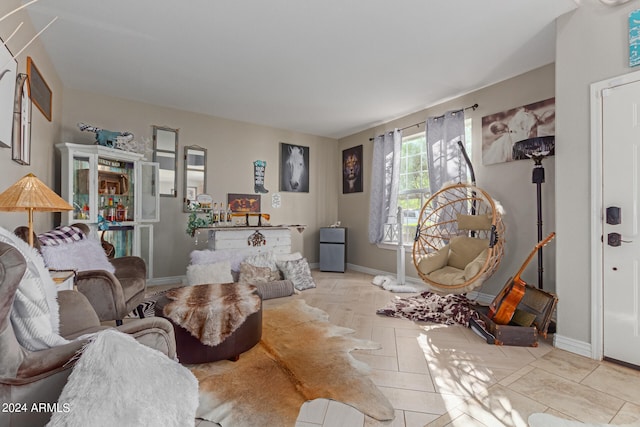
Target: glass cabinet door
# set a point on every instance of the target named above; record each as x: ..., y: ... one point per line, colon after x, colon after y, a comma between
x: 149, y: 202
x: 116, y: 202
x: 82, y: 204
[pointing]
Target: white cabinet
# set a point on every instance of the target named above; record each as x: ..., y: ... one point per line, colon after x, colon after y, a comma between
x: 103, y: 183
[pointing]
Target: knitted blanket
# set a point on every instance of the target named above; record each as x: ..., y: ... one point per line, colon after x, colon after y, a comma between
x: 34, y: 314
x: 212, y: 312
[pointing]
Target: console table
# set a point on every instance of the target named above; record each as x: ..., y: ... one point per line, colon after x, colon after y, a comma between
x: 266, y: 238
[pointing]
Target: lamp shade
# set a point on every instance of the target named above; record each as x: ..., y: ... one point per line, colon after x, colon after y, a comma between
x: 32, y: 194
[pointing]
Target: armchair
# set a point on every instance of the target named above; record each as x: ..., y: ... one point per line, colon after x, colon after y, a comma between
x: 30, y: 378
x: 112, y: 295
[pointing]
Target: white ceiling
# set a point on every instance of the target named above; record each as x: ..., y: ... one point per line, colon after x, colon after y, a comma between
x: 323, y: 67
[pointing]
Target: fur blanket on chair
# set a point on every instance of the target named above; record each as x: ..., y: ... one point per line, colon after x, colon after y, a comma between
x: 212, y: 312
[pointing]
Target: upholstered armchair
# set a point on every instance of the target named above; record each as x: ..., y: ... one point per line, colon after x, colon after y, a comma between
x: 112, y: 295
x: 30, y: 378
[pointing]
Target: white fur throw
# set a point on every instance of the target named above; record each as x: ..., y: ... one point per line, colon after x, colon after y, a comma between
x: 83, y: 255
x: 35, y: 313
x: 209, y: 274
x: 119, y: 382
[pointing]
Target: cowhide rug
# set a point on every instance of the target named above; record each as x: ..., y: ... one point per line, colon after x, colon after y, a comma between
x: 301, y: 357
x: 431, y: 307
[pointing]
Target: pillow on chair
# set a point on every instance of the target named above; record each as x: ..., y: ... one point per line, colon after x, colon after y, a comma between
x: 82, y: 255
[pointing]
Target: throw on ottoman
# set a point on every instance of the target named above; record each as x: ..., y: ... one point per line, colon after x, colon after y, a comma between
x: 213, y: 322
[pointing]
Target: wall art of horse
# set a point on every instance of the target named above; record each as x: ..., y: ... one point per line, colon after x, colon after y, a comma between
x: 294, y: 168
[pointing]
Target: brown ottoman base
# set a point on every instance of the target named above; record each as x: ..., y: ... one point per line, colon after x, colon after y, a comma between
x: 190, y: 350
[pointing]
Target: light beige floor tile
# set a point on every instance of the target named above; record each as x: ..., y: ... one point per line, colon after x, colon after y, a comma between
x: 404, y: 380
x: 341, y: 415
x: 420, y: 401
x: 567, y: 365
x: 616, y: 380
x: 410, y: 356
x: 465, y: 420
x: 579, y: 401
x: 418, y: 419
x: 630, y: 413
x: 398, y: 421
x: 313, y: 411
x: 387, y: 363
x: 501, y: 406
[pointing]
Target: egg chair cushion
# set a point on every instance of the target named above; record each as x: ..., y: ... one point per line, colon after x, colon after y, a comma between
x: 434, y: 261
x: 465, y: 249
x: 474, y: 222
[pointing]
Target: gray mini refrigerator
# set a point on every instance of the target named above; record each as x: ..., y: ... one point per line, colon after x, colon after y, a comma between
x: 333, y: 249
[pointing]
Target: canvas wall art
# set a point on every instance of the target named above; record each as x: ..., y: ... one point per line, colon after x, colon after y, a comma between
x: 294, y: 168
x: 244, y: 203
x: 352, y: 170
x: 527, y: 128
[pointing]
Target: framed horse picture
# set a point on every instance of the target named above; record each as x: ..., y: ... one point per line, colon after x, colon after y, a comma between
x: 294, y: 168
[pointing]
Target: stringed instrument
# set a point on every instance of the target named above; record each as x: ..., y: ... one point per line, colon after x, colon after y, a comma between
x: 504, y: 305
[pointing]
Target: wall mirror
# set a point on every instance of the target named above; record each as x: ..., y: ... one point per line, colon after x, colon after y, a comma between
x: 165, y: 148
x: 195, y: 174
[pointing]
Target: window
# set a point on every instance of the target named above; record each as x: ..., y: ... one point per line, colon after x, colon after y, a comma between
x: 413, y: 191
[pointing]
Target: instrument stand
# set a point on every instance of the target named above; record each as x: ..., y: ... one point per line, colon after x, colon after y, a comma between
x: 537, y: 177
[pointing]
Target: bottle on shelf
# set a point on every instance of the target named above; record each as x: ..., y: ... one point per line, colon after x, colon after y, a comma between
x: 215, y: 215
x: 111, y: 210
x: 101, y: 208
x: 120, y: 215
x: 222, y: 216
x: 229, y: 215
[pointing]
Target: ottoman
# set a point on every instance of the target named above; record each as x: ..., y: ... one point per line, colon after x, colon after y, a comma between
x: 191, y: 350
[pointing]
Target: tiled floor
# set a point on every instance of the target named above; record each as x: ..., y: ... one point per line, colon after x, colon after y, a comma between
x: 438, y: 375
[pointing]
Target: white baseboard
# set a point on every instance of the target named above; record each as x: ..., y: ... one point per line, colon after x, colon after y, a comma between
x: 574, y: 346
x: 160, y: 281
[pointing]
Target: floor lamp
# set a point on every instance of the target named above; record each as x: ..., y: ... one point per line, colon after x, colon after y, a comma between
x: 537, y: 149
x: 30, y: 194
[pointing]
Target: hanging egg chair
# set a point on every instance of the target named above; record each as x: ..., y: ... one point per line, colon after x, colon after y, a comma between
x: 459, y: 240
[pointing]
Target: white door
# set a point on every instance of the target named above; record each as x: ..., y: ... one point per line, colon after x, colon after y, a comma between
x: 621, y: 241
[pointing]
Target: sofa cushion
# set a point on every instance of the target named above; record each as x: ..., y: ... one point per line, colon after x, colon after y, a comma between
x: 203, y: 274
x: 298, y: 272
x: 434, y: 260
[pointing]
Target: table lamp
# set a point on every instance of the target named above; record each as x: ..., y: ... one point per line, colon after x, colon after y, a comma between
x: 30, y: 194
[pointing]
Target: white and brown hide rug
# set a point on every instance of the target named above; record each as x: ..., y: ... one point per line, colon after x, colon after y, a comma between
x: 301, y: 357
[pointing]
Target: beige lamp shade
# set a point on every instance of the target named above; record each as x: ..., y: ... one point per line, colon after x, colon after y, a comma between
x: 31, y: 194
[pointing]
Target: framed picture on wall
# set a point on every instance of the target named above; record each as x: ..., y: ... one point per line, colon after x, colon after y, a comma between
x: 352, y: 170
x: 40, y: 92
x: 294, y: 168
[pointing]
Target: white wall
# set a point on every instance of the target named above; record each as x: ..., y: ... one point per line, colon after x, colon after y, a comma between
x: 44, y: 132
x: 232, y: 148
x: 592, y: 45
x: 510, y: 183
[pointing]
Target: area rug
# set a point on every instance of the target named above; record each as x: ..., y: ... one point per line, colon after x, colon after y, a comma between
x: 301, y: 357
x: 430, y: 307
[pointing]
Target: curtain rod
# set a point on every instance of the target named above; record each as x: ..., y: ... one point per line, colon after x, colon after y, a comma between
x: 472, y: 107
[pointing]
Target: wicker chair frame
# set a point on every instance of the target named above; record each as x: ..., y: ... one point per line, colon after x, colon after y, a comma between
x: 438, y: 223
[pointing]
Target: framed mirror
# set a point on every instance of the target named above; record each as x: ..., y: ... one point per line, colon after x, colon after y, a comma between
x: 195, y: 174
x: 165, y: 148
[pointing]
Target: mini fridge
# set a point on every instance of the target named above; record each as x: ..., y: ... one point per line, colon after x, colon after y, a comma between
x: 333, y: 249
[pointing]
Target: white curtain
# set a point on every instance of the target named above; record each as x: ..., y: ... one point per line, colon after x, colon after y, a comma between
x: 385, y: 173
x: 446, y: 162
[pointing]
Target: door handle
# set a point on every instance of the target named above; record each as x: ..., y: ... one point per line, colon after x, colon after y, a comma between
x: 615, y: 239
